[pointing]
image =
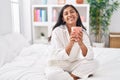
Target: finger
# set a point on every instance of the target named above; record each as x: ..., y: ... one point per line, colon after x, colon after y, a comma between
x: 80, y: 34
x: 73, y: 32
x: 79, y: 37
x: 72, y: 39
x: 73, y: 35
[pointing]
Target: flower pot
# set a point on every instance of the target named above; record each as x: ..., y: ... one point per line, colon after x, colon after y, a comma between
x: 44, y: 2
x: 100, y: 45
x: 61, y: 1
x: 79, y: 1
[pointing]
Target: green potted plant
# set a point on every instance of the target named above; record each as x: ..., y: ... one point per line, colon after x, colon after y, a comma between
x: 101, y: 12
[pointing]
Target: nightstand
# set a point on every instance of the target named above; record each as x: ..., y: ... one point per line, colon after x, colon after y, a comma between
x: 114, y: 40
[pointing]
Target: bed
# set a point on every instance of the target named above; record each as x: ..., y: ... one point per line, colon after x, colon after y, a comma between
x: 22, y: 61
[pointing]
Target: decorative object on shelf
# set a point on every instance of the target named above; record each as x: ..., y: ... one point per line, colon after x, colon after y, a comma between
x: 42, y: 34
x: 44, y: 2
x: 61, y: 1
x: 79, y: 1
x: 43, y: 38
x: 100, y: 16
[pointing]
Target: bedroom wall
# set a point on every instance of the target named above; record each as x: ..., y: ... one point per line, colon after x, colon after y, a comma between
x: 115, y: 21
x: 5, y: 17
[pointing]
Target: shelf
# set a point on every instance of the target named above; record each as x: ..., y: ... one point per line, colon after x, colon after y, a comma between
x: 45, y: 24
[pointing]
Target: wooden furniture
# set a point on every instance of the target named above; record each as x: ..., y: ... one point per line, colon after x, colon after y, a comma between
x: 114, y: 40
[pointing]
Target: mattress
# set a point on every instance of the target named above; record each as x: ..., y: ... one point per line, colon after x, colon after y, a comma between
x: 31, y: 63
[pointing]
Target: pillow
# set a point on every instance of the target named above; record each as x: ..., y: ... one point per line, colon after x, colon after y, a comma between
x: 14, y: 44
x: 16, y: 41
x: 3, y: 50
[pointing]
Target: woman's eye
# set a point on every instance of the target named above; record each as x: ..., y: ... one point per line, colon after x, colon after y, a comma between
x: 72, y: 11
x: 65, y: 13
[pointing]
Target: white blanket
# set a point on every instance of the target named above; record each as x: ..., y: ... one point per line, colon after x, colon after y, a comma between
x: 30, y: 64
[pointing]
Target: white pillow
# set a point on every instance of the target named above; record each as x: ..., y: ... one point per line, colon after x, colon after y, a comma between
x: 3, y: 50
x: 15, y: 43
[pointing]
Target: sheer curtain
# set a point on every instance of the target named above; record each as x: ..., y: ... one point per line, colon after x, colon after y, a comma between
x: 21, y: 17
x: 15, y: 16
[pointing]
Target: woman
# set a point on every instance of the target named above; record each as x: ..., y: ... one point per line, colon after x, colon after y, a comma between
x: 73, y: 58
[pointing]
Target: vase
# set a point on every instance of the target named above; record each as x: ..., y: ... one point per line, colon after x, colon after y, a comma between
x: 100, y: 45
x: 61, y: 1
x: 44, y: 2
x: 79, y: 1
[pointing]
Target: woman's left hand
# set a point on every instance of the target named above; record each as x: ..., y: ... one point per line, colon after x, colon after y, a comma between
x: 80, y: 37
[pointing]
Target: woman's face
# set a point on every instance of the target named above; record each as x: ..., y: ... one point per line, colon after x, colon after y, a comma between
x: 70, y: 16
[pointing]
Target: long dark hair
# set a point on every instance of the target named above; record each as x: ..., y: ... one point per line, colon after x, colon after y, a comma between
x: 61, y: 22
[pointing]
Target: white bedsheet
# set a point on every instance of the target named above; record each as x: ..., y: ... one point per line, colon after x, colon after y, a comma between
x: 30, y: 64
x: 109, y: 60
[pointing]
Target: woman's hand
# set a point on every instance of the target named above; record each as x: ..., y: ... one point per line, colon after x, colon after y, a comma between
x: 81, y: 44
x: 76, y: 34
x: 76, y: 37
x: 79, y: 37
x: 71, y: 43
x: 73, y: 37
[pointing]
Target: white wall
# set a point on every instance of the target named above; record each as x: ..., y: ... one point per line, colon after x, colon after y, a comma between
x: 5, y: 17
x: 115, y: 22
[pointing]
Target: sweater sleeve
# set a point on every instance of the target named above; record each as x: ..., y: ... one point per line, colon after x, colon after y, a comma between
x: 86, y: 41
x: 56, y: 43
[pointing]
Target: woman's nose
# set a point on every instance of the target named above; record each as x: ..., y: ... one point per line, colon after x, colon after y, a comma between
x: 69, y: 14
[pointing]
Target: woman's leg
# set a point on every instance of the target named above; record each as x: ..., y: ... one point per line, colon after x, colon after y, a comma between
x: 55, y: 73
x: 74, y: 76
x: 85, y: 68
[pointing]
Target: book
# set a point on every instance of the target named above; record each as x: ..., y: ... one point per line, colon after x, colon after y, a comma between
x: 44, y: 15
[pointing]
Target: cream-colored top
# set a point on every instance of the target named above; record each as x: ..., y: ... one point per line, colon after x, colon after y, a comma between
x: 59, y: 40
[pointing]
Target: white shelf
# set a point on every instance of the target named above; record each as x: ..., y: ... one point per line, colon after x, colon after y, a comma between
x: 45, y: 27
x: 45, y: 24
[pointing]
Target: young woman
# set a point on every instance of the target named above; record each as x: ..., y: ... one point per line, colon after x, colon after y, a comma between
x: 73, y: 58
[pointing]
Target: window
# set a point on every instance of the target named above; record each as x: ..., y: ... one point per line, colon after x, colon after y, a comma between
x: 15, y: 15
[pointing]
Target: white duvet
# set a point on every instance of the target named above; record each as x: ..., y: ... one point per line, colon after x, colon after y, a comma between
x: 31, y: 62
x: 29, y: 65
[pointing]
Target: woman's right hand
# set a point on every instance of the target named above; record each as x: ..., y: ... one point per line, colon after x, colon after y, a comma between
x: 73, y: 37
x: 70, y: 44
